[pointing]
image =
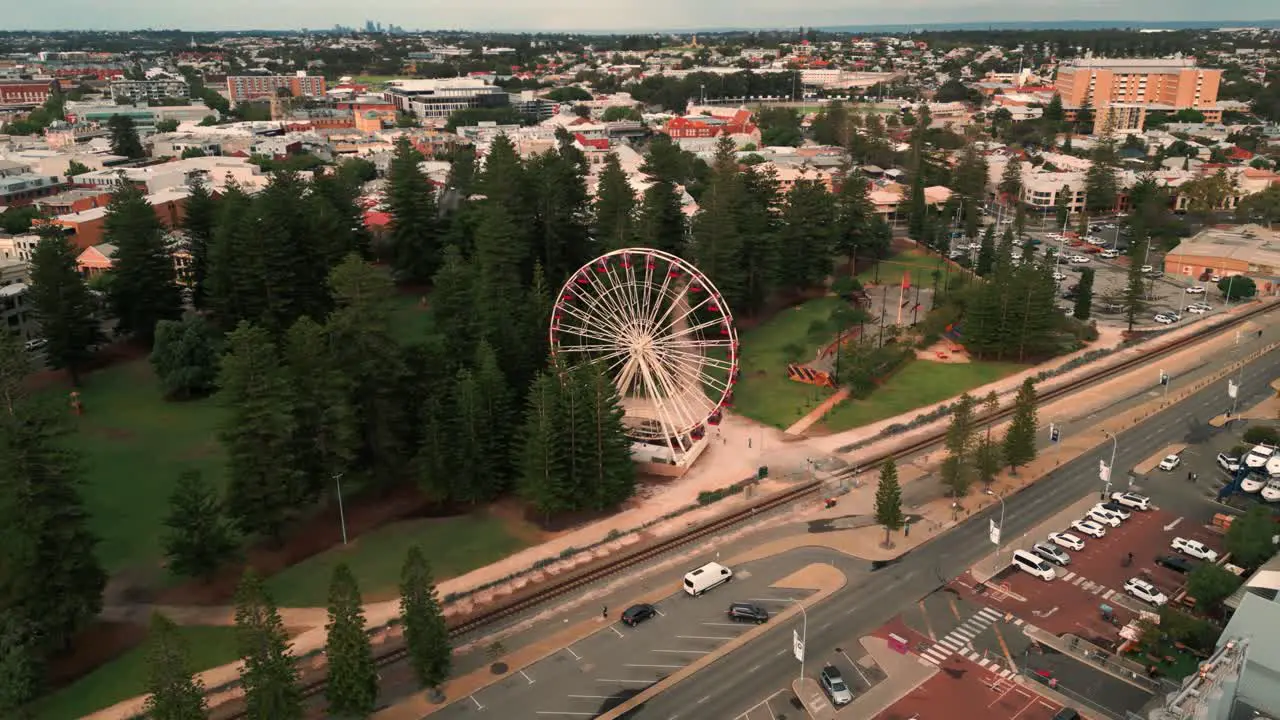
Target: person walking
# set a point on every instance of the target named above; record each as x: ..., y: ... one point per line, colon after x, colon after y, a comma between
x: 604, y: 612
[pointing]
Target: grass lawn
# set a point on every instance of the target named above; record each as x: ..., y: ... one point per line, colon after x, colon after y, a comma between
x: 410, y: 321
x: 764, y: 393
x: 455, y: 546
x: 376, y: 79
x: 919, y: 383
x: 134, y: 445
x: 125, y: 677
x: 918, y: 263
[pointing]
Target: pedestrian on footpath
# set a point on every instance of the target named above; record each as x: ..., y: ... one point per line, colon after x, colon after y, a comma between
x: 604, y: 612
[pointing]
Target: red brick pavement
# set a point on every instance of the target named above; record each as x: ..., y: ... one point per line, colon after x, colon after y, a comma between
x: 964, y: 690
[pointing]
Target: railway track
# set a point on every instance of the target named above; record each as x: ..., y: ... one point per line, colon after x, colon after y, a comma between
x: 601, y: 570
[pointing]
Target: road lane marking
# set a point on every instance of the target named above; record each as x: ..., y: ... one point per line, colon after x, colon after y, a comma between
x: 660, y: 613
x: 703, y: 699
x: 652, y: 666
x: 778, y: 600
x: 856, y: 668
x: 618, y: 680
x: 702, y: 637
x: 924, y: 613
x: 688, y: 652
x: 526, y: 676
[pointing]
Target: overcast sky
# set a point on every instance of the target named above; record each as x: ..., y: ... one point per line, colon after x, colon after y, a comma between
x: 597, y: 14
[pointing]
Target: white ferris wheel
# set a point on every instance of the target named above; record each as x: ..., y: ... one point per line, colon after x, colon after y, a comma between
x: 664, y: 334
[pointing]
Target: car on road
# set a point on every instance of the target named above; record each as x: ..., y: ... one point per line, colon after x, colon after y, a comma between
x: 1066, y: 540
x: 1109, y: 254
x: 1176, y: 563
x: 1052, y: 553
x: 1164, y: 319
x: 746, y: 612
x: 1229, y: 463
x: 1170, y: 462
x: 1079, y: 259
x: 1114, y: 508
x: 1197, y: 309
x: 1194, y: 548
x: 35, y: 344
x: 1102, y: 517
x: 637, y: 614
x: 1195, y: 290
x: 1089, y: 527
x: 1145, y: 591
x: 833, y: 683
x: 1132, y: 500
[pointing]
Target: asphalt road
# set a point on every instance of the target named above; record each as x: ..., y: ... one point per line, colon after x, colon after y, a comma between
x: 737, y: 682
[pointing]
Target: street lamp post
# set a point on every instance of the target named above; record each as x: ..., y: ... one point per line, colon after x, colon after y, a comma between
x: 342, y: 517
x: 1000, y: 536
x: 1114, y: 443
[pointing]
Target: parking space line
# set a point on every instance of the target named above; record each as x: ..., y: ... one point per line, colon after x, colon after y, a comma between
x: 660, y: 613
x: 685, y: 652
x: 652, y: 666
x: 477, y: 702
x: 856, y: 668
x: 615, y: 631
x: 702, y: 637
x: 526, y: 676
x: 575, y: 655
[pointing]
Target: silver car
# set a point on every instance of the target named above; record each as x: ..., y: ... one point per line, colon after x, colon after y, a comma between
x: 833, y: 682
x: 1052, y: 553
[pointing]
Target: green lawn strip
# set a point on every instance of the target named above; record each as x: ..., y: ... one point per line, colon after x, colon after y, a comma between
x: 918, y: 384
x: 455, y: 545
x: 410, y: 321
x: 763, y: 391
x: 134, y: 445
x: 125, y: 677
x: 375, y: 79
x: 920, y: 264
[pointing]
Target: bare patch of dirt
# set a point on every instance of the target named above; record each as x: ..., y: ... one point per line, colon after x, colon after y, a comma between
x: 113, y: 354
x: 97, y: 645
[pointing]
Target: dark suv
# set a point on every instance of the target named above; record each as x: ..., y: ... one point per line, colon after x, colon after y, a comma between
x: 637, y: 614
x: 746, y: 612
x: 1177, y: 563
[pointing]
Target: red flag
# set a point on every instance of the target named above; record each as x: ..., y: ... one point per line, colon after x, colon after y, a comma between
x: 906, y: 279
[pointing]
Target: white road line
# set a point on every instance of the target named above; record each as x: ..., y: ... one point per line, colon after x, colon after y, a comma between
x: 1107, y: 595
x: 617, y: 680
x: 652, y: 666
x: 703, y: 699
x: 931, y: 660
x: 526, y: 676
x: 566, y: 712
x: 477, y: 702
x: 984, y: 662
x: 778, y: 600
x: 660, y: 613
x: 615, y: 631
x: 989, y: 613
x: 575, y: 655
x: 702, y: 637
x: 856, y: 668
x: 1068, y: 576
x: 687, y: 652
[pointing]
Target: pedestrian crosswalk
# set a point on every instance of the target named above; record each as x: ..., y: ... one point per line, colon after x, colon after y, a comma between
x: 1088, y: 586
x: 960, y: 641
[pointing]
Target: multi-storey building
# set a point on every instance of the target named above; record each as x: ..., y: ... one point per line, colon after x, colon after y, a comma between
x: 1176, y: 84
x: 26, y: 188
x: 441, y: 98
x: 25, y: 93
x: 244, y: 88
x: 15, y: 311
x: 156, y: 89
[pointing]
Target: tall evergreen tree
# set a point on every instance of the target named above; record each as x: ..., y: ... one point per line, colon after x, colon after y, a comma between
x: 174, y: 692
x: 411, y: 201
x: 144, y: 288
x: 715, y: 234
x: 1084, y: 296
x: 124, y: 137
x: 760, y: 220
x: 986, y: 252
x: 1010, y: 185
x: 1101, y: 183
x: 265, y: 486
x: 615, y: 206
x: 498, y: 286
x: 1062, y: 206
x: 889, y: 500
x: 542, y: 480
x: 1020, y: 437
x: 855, y: 222
x: 806, y: 238
x: 1135, y: 289
x: 453, y: 305
x: 352, y: 690
x: 267, y: 672
x: 483, y: 422
x: 502, y: 180
x: 325, y: 433
x: 425, y: 633
x: 295, y: 266
x: 957, y: 466
x: 660, y: 223
x: 62, y: 305
x: 610, y: 476
x: 50, y: 580
x: 197, y: 540
x: 335, y: 218
x: 462, y: 171
x: 561, y: 211
x: 21, y: 667
x: 236, y: 284
x: 199, y: 222
x: 185, y: 357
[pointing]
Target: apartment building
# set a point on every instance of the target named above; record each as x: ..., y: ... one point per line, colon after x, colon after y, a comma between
x: 26, y: 188
x: 140, y: 90
x: 15, y: 310
x: 17, y: 248
x: 439, y: 99
x: 244, y: 88
x: 1175, y: 84
x: 17, y: 94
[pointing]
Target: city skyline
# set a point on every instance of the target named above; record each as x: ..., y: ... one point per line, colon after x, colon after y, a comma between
x: 628, y: 16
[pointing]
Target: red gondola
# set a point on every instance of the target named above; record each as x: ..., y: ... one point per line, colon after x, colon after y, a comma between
x: 695, y: 289
x: 582, y: 279
x: 733, y: 376
x: 712, y: 307
x: 728, y: 400
x: 567, y: 297
x: 650, y: 263
x: 626, y: 262
x: 715, y: 418
x: 698, y: 433
x: 724, y: 329
x: 673, y: 272
x: 602, y: 267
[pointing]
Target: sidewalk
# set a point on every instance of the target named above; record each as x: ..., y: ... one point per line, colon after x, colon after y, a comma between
x: 903, y: 673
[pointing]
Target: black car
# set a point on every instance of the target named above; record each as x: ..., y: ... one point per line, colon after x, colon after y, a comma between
x: 1177, y: 563
x: 1067, y: 713
x: 637, y: 614
x: 746, y: 612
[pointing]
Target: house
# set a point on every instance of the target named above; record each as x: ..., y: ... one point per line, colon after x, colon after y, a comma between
x: 95, y: 260
x: 86, y: 228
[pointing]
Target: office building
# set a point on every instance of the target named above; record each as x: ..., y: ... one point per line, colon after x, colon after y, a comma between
x: 441, y: 98
x: 1167, y: 85
x: 245, y: 88
x: 141, y: 90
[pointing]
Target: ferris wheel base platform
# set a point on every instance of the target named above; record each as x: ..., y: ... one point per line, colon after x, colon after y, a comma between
x: 661, y: 461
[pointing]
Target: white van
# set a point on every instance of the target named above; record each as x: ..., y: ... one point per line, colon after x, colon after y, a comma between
x: 706, y: 577
x: 1034, y: 565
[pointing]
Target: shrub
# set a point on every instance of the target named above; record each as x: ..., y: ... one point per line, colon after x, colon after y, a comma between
x: 1262, y: 434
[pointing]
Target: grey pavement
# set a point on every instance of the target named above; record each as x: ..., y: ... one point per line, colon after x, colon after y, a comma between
x: 739, y: 681
x: 1083, y: 681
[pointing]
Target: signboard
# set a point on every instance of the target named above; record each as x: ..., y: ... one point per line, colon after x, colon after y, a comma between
x: 994, y: 532
x: 797, y: 646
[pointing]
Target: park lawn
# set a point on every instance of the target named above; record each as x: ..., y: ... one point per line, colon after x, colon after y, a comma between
x: 917, y: 262
x: 126, y: 676
x: 917, y: 384
x: 410, y: 320
x: 763, y: 392
x: 134, y: 445
x: 454, y: 545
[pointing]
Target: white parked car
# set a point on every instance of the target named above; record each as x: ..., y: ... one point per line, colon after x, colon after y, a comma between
x: 1228, y: 463
x: 1145, y: 591
x: 1195, y: 290
x: 1163, y: 319
x: 1194, y: 548
x: 1132, y: 500
x: 1146, y: 269
x: 1197, y: 309
x: 1079, y: 259
x: 1170, y: 462
x: 1114, y: 508
x: 1102, y: 518
x: 1090, y: 528
x: 1059, y: 276
x: 1109, y: 254
x: 1066, y: 540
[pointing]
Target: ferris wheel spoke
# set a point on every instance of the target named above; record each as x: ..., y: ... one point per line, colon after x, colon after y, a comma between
x: 671, y: 391
x: 665, y: 417
x: 694, y: 369
x: 697, y: 343
x: 711, y: 360
x: 590, y: 314
x: 656, y: 306
x: 587, y: 349
x: 589, y: 333
x: 692, y: 329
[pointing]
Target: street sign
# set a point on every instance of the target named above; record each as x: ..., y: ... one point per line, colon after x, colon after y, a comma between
x: 994, y: 532
x: 1053, y: 433
x: 797, y: 646
x: 1104, y: 471
x: 1232, y: 390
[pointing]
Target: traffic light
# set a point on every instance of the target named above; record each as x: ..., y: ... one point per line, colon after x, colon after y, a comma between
x: 1053, y: 433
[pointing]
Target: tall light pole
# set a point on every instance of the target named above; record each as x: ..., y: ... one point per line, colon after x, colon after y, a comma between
x: 804, y: 635
x: 1106, y: 476
x: 342, y: 517
x: 1000, y: 533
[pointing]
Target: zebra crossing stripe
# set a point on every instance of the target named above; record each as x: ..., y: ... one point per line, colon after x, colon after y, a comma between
x: 984, y: 662
x: 934, y: 656
x: 990, y: 614
x: 1068, y: 576
x: 1107, y: 595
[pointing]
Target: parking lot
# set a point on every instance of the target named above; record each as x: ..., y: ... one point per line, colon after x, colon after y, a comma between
x: 965, y: 689
x: 598, y: 673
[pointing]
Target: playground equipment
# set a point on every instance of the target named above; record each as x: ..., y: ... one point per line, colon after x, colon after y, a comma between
x: 809, y: 376
x: 661, y: 330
